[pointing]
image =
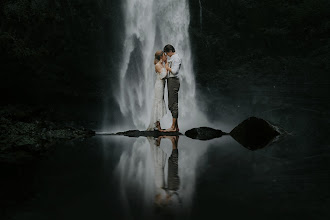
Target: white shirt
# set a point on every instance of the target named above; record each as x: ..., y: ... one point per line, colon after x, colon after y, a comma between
x: 174, y: 63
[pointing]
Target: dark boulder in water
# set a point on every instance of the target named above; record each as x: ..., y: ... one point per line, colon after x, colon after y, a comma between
x: 204, y: 133
x: 255, y: 133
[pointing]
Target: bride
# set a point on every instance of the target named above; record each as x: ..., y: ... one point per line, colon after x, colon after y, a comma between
x: 158, y: 107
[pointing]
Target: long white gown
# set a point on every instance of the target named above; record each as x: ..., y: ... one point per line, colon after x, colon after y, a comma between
x: 158, y: 106
x: 159, y: 160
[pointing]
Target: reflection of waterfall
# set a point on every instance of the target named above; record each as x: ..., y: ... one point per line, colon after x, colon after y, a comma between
x: 142, y: 172
x: 135, y: 175
x: 149, y: 26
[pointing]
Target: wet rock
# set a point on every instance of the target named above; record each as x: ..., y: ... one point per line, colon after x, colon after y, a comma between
x: 137, y: 133
x: 255, y: 133
x: 204, y: 133
x: 19, y: 133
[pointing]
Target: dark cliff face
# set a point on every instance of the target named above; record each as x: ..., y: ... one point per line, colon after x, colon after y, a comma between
x: 57, y: 51
x: 250, y: 39
x: 66, y: 53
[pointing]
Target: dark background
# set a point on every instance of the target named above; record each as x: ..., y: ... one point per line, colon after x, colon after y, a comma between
x: 62, y: 55
x: 267, y: 58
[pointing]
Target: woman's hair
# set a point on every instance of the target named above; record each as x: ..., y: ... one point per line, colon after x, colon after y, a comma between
x: 158, y: 56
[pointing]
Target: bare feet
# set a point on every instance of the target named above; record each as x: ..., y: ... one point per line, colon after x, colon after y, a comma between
x: 158, y: 126
x: 172, y: 129
x: 158, y: 141
x: 174, y: 140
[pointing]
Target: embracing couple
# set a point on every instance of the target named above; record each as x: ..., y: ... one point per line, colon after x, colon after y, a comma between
x: 167, y: 67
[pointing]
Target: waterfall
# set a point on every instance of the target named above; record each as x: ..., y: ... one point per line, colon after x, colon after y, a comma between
x: 149, y: 26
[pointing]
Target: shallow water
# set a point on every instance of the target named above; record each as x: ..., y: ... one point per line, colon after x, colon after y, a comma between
x: 108, y: 176
x: 113, y: 176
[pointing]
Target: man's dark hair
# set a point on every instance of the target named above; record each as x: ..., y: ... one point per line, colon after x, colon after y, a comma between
x: 169, y: 48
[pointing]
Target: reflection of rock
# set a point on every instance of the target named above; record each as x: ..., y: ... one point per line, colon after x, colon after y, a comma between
x: 255, y: 133
x: 137, y: 133
x: 204, y: 133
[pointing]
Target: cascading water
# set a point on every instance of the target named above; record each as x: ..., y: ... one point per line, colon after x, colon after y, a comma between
x: 149, y: 26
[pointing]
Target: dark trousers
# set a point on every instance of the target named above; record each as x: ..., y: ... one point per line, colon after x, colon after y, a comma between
x: 173, y: 86
x: 173, y: 171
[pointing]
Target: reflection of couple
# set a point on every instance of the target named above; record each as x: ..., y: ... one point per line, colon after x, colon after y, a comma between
x: 166, y: 69
x: 164, y: 196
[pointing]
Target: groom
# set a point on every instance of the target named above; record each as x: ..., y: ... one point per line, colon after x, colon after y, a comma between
x: 173, y: 84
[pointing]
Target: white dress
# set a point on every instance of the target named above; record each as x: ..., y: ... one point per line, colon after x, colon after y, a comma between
x: 159, y: 160
x: 158, y: 106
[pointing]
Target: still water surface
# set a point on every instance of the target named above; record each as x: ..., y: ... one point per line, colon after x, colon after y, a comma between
x: 134, y: 178
x: 115, y: 177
